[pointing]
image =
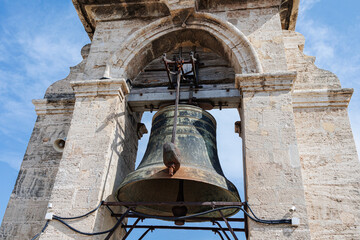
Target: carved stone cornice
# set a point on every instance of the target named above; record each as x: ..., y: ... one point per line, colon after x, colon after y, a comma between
x: 322, y: 98
x: 54, y: 106
x: 288, y: 14
x: 264, y: 82
x: 92, y: 11
x: 100, y: 87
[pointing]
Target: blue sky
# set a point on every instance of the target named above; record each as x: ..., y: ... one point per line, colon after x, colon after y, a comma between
x: 40, y: 40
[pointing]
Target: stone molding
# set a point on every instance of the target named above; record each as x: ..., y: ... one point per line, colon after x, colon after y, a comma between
x: 265, y: 82
x: 92, y: 11
x: 54, y: 106
x: 289, y: 10
x: 100, y: 87
x: 245, y: 58
x: 82, y: 89
x: 322, y: 98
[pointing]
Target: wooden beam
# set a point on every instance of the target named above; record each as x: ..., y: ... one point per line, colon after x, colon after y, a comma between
x: 220, y: 95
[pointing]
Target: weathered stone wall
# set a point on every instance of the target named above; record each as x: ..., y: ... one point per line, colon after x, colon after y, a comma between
x: 41, y: 162
x: 108, y: 38
x: 262, y: 26
x: 330, y: 164
x: 24, y: 216
x: 331, y: 172
x: 273, y: 180
x: 94, y: 161
x: 309, y: 76
x: 259, y: 22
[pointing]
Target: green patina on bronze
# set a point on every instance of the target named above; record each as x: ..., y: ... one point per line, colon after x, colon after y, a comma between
x: 200, y: 168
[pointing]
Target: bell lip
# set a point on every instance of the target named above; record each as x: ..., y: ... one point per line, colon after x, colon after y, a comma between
x: 183, y: 107
x: 235, y: 193
x: 232, y: 190
x: 226, y: 213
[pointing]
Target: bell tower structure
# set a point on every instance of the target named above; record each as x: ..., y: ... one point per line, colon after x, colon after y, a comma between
x: 298, y: 145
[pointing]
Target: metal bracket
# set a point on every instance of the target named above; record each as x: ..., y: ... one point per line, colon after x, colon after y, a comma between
x: 215, y: 221
x: 188, y: 70
x: 130, y: 212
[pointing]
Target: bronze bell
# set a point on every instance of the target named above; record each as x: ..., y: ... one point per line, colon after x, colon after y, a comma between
x: 199, y: 177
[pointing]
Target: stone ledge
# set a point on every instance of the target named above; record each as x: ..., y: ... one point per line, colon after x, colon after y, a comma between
x: 92, y: 11
x: 263, y: 82
x: 322, y: 98
x: 102, y: 87
x: 54, y: 106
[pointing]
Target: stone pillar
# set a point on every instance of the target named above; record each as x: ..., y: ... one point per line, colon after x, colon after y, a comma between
x: 37, y: 172
x: 330, y: 164
x: 273, y: 181
x: 100, y: 150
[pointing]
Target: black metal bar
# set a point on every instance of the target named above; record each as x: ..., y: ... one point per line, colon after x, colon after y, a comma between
x: 195, y: 219
x: 217, y: 232
x: 130, y: 230
x: 219, y: 225
x: 112, y: 212
x: 135, y: 204
x: 117, y: 224
x: 228, y: 225
x: 184, y: 228
x: 146, y: 232
x: 116, y: 215
x: 246, y: 224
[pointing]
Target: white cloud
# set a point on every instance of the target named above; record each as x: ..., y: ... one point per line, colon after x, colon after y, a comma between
x: 13, y: 159
x: 321, y: 40
x: 306, y: 5
x: 336, y: 49
x: 2, y: 53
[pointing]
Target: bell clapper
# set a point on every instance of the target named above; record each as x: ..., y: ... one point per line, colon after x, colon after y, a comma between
x: 171, y: 157
x: 180, y: 211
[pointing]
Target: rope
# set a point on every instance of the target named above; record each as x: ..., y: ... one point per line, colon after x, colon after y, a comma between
x: 173, y: 137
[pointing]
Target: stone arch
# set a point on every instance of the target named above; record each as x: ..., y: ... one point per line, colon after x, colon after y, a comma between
x: 138, y: 50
